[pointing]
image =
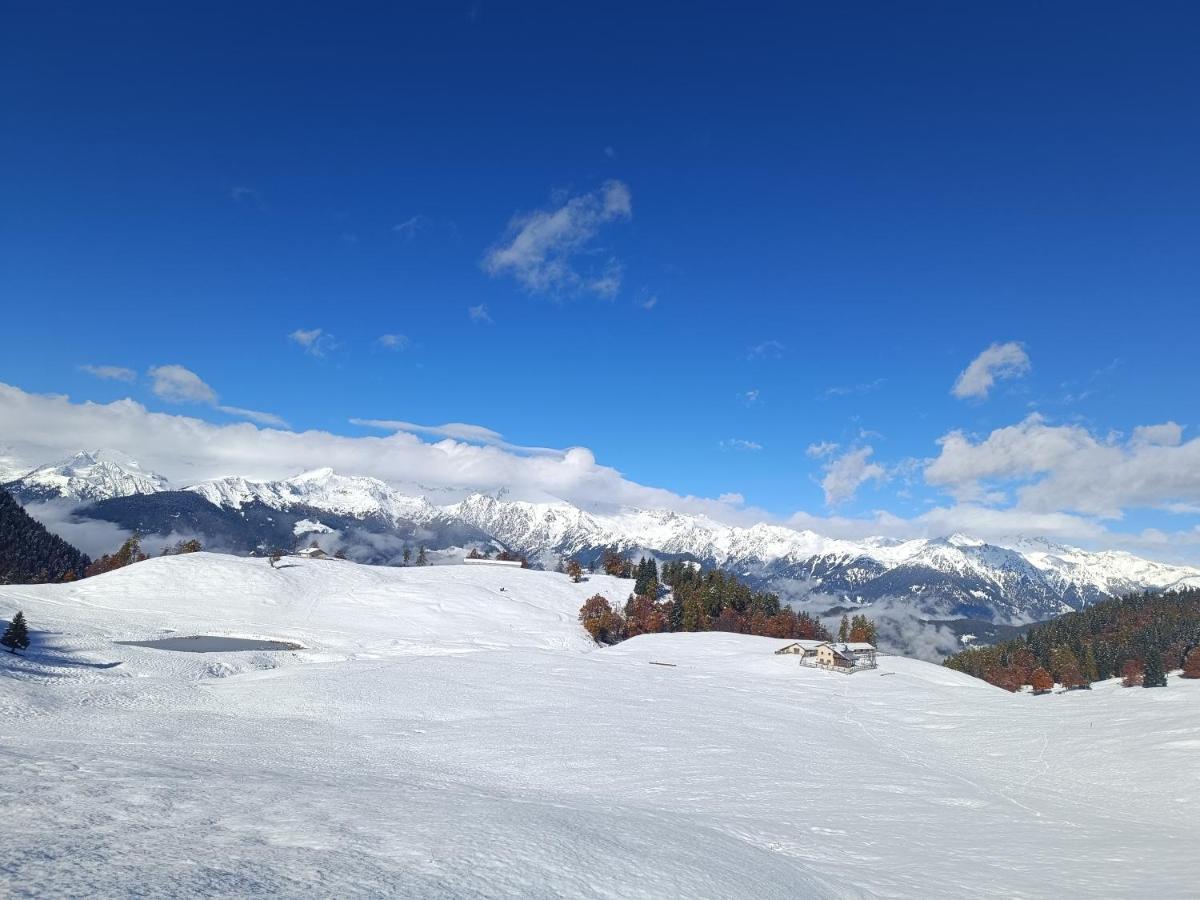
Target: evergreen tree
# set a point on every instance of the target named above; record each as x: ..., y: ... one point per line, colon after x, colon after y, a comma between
x: 27, y: 549
x: 844, y: 629
x: 1155, y: 674
x: 422, y: 559
x: 407, y: 554
x: 675, y: 620
x: 16, y: 636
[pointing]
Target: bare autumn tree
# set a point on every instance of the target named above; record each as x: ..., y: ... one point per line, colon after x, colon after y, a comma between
x: 1132, y: 673
x: 1191, y: 665
x: 604, y: 625
x: 575, y: 571
x: 1042, y: 681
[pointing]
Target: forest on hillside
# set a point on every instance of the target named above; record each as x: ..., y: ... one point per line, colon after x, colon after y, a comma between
x: 682, y: 597
x: 1139, y: 638
x: 29, y: 554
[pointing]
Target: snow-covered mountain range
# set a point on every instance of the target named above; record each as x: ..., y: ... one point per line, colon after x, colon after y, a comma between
x: 952, y: 577
x: 95, y: 475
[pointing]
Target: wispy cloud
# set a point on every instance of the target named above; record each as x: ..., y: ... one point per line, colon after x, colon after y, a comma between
x: 750, y: 398
x: 739, y: 444
x: 393, y: 341
x: 479, y: 314
x: 844, y: 390
x: 315, y: 341
x: 542, y: 249
x: 254, y: 415
x: 409, y: 228
x: 110, y: 373
x: 247, y: 195
x: 457, y: 431
x: 999, y: 361
x: 821, y: 450
x: 770, y: 349
x: 177, y: 384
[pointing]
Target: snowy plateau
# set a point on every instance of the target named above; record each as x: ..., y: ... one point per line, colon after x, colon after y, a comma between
x: 452, y: 731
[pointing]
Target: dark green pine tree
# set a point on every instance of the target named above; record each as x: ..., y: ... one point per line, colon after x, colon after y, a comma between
x: 676, y: 619
x: 422, y: 559
x: 1156, y: 674
x: 16, y: 636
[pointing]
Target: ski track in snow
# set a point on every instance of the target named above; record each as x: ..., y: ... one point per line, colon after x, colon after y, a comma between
x: 441, y: 738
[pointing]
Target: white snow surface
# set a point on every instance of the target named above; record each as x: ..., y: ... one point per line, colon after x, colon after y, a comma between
x: 452, y: 732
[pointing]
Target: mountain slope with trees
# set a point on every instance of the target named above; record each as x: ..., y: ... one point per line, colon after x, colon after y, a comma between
x: 31, y: 554
x: 1139, y: 638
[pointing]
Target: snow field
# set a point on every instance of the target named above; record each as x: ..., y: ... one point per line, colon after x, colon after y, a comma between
x: 443, y: 738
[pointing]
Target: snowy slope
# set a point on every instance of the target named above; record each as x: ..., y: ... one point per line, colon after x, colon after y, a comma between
x: 443, y: 738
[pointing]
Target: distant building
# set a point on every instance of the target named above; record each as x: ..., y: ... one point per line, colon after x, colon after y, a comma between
x: 313, y: 553
x: 801, y: 648
x: 835, y: 656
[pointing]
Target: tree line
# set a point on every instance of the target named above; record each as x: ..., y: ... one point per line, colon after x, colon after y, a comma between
x: 681, y: 597
x: 1139, y: 638
x: 29, y: 554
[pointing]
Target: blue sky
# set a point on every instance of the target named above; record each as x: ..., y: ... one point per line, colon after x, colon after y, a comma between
x: 699, y: 240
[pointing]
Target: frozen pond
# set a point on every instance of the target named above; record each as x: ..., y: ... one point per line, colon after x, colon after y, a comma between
x: 203, y: 643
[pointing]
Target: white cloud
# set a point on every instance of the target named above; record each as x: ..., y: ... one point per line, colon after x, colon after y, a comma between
x: 770, y: 349
x: 479, y: 314
x: 542, y: 249
x: 1168, y: 434
x: 739, y: 444
x: 254, y: 415
x: 845, y: 390
x: 751, y: 397
x: 176, y: 384
x: 732, y: 498
x: 1066, y: 467
x: 458, y: 431
x: 846, y: 473
x: 110, y: 373
x: 648, y: 303
x: 821, y: 450
x: 393, y: 341
x: 608, y: 283
x: 185, y: 449
x: 315, y: 341
x: 179, y: 385
x: 408, y: 229
x: 38, y: 428
x: 998, y: 361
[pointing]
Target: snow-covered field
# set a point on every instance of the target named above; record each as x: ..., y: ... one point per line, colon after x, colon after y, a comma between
x: 451, y: 732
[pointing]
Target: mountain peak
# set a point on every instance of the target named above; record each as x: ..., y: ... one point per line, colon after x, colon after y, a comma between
x: 88, y: 475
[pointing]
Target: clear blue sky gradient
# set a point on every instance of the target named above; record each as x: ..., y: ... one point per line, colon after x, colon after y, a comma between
x: 885, y: 189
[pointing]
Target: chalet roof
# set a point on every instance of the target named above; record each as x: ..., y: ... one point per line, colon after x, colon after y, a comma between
x: 859, y: 645
x: 806, y: 643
